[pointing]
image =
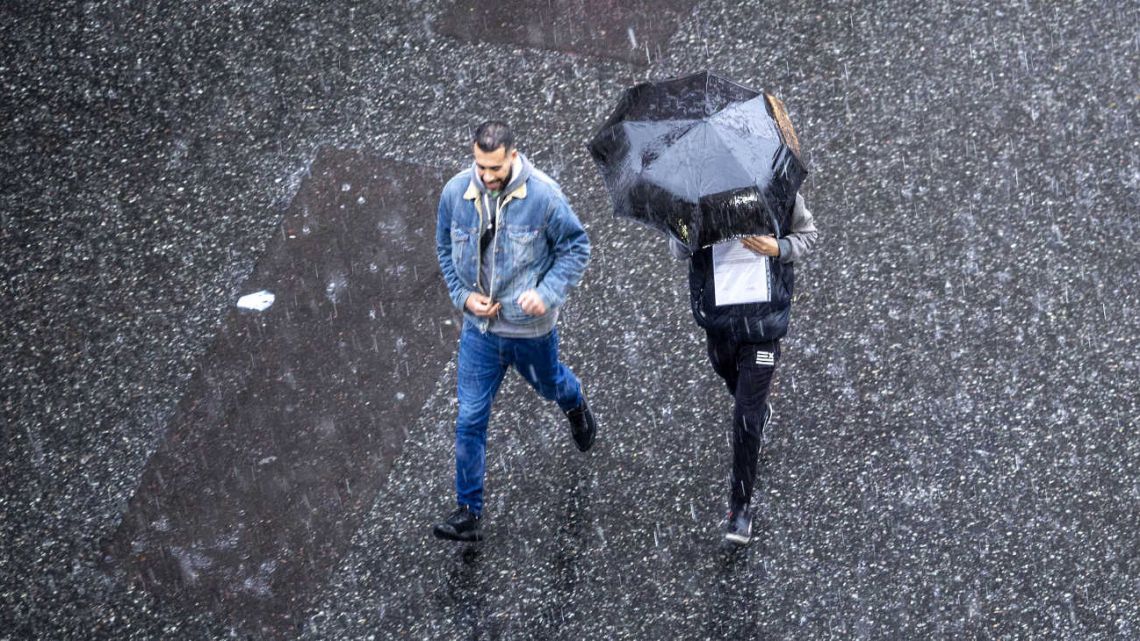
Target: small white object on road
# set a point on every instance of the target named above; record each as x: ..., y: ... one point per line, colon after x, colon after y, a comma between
x: 258, y: 301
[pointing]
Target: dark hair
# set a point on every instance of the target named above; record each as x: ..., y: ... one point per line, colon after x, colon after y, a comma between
x: 494, y: 134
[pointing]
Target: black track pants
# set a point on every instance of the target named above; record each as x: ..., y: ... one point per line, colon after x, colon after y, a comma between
x: 747, y: 370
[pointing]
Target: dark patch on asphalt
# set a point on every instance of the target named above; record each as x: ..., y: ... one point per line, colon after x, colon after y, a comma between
x: 290, y: 426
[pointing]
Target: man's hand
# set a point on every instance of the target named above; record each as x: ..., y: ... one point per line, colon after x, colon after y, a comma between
x: 531, y: 303
x: 763, y: 245
x: 481, y: 305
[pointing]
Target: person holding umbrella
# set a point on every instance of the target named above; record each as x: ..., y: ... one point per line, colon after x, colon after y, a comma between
x: 744, y: 347
x: 510, y: 249
x: 715, y: 165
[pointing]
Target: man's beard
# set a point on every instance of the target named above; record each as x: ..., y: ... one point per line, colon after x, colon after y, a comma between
x: 501, y: 184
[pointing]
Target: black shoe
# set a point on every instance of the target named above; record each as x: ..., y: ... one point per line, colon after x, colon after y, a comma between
x: 582, y: 426
x: 461, y: 525
x: 739, y: 529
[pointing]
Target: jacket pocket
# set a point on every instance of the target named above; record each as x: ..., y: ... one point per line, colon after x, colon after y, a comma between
x: 523, y: 243
x: 511, y: 312
x: 462, y: 246
x: 460, y: 240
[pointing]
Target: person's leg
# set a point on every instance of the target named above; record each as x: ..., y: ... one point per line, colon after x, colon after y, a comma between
x: 756, y: 363
x: 536, y: 359
x: 722, y: 356
x: 482, y: 365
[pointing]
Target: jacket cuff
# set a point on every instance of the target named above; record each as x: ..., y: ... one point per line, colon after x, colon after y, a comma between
x: 785, y: 250
x: 459, y: 299
x: 549, y: 298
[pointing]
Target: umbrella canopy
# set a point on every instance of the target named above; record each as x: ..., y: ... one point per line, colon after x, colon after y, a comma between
x: 700, y: 157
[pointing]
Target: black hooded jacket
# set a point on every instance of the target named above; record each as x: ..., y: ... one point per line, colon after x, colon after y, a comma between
x: 753, y: 322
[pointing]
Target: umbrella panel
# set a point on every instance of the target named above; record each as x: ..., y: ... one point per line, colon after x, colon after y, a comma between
x: 690, y: 97
x: 701, y: 158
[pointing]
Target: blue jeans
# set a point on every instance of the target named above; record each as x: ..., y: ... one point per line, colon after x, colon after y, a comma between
x: 483, y: 361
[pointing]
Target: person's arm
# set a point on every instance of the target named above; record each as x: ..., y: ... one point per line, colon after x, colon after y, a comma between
x: 571, y: 255
x: 799, y: 241
x: 457, y: 291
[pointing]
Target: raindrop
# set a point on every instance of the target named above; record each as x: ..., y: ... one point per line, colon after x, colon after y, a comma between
x: 335, y: 287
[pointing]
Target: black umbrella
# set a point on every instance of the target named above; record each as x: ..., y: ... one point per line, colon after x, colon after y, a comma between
x: 700, y: 157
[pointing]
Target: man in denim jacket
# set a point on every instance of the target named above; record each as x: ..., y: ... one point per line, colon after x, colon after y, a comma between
x: 510, y: 249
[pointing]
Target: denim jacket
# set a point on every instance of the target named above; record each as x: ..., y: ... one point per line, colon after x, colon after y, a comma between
x: 539, y: 243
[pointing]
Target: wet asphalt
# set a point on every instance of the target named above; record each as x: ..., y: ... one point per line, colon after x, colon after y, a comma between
x: 954, y: 451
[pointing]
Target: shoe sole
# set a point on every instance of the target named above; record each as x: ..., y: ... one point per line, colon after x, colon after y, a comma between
x: 472, y: 537
x: 738, y: 539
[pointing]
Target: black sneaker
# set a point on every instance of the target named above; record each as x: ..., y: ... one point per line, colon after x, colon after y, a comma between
x: 739, y: 529
x: 582, y: 426
x: 461, y: 525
